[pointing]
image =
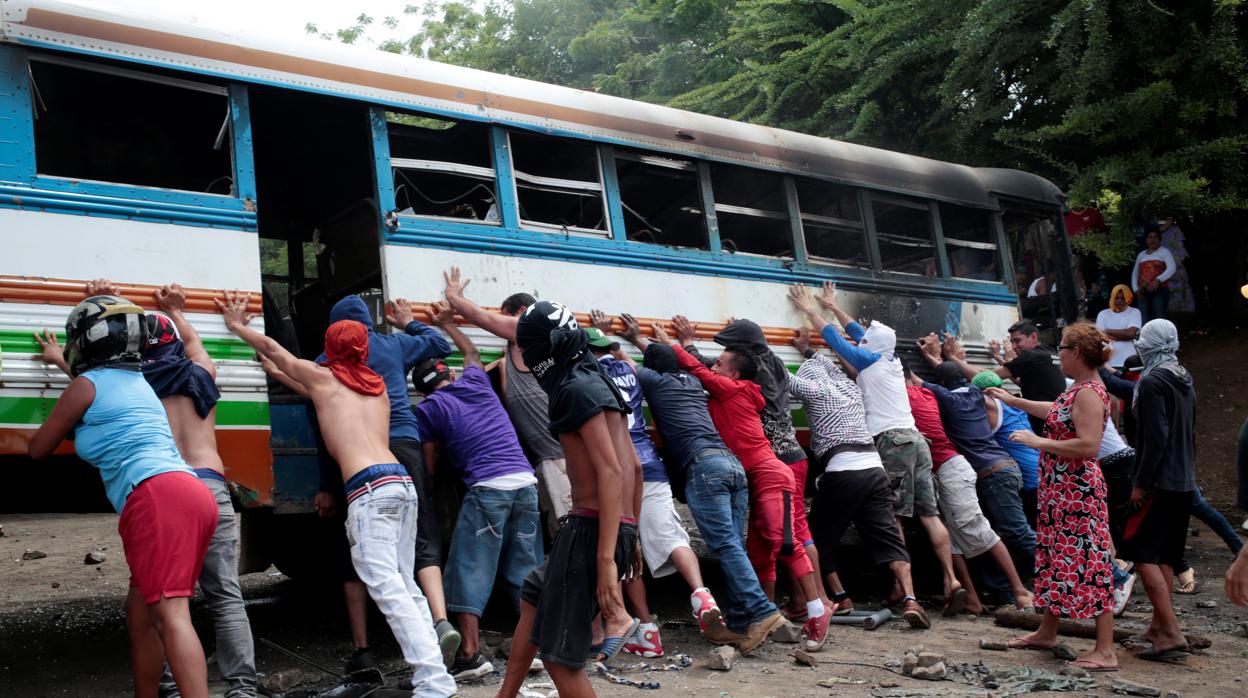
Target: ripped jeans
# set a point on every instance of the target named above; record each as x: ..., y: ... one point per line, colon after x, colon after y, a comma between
x: 498, y: 535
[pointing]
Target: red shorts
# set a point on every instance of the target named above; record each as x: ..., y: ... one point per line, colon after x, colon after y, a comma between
x: 772, y: 536
x: 165, y: 528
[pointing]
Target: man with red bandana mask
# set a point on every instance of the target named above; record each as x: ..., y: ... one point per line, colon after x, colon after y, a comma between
x: 350, y: 399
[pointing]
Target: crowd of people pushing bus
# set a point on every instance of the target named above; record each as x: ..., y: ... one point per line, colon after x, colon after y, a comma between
x: 1036, y: 501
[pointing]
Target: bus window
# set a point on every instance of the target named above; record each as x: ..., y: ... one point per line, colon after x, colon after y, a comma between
x: 831, y: 222
x: 659, y: 195
x: 749, y: 206
x: 1042, y: 270
x: 97, y: 122
x: 558, y: 183
x: 904, y: 229
x: 970, y: 242
x: 442, y: 168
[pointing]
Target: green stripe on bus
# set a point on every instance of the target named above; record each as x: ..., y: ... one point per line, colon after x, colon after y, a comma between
x: 23, y: 342
x: 33, y: 410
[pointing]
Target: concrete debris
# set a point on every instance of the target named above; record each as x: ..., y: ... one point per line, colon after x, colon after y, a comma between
x: 1077, y: 672
x: 841, y: 681
x: 1207, y: 604
x: 1064, y: 652
x: 788, y: 634
x: 916, y: 650
x: 933, y: 672
x: 721, y: 658
x: 94, y: 558
x: 804, y: 657
x: 993, y: 645
x: 33, y: 554
x: 1134, y: 689
x: 1017, y: 681
x: 930, y: 659
x: 909, y: 663
x: 1, y: 531
x: 1172, y: 694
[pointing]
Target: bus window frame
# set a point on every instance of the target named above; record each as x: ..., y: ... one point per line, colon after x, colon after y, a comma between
x: 27, y: 189
x: 551, y: 228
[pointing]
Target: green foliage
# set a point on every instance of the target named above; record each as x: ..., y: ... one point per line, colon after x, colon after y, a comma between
x: 1136, y: 105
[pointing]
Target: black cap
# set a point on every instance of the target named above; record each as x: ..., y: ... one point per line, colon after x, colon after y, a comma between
x: 428, y: 373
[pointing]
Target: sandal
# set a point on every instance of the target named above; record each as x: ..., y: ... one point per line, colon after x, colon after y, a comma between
x: 611, y: 646
x: 916, y: 616
x: 1091, y: 666
x: 1176, y: 655
x: 1187, y: 583
x: 954, y: 603
x: 844, y: 605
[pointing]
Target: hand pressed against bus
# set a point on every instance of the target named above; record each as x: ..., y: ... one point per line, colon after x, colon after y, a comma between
x: 354, y: 416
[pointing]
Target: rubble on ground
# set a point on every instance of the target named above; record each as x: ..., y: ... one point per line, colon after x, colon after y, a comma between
x: 721, y: 658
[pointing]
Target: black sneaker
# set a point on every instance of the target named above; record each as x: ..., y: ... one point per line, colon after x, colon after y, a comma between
x: 362, y: 667
x: 472, y: 667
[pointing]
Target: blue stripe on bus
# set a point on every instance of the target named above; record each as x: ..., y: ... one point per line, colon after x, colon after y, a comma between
x: 501, y: 241
x: 132, y: 203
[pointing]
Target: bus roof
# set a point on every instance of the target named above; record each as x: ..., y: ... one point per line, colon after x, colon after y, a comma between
x: 405, y: 82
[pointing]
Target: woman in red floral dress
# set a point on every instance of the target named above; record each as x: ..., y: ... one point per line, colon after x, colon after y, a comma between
x: 1073, y: 549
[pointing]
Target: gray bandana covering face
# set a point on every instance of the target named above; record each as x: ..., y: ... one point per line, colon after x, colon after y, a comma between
x: 1157, y: 345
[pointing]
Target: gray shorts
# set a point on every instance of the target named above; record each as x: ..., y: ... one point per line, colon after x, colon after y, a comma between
x: 969, y: 531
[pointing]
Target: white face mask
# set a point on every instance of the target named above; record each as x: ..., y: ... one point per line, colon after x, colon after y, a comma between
x: 879, y: 338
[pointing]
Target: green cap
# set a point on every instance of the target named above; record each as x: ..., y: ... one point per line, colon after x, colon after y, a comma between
x: 987, y: 379
x: 600, y: 340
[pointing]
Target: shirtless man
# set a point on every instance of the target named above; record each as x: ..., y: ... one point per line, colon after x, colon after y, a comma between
x: 181, y: 373
x: 561, y: 597
x: 354, y: 414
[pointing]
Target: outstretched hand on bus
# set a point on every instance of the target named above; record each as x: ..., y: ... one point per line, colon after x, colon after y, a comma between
x: 602, y: 321
x: 660, y: 333
x: 441, y: 314
x: 399, y: 313
x: 827, y: 295
x: 953, y: 348
x: 455, y: 284
x: 686, y: 332
x: 50, y: 350
x: 801, y: 340
x: 234, y: 309
x: 102, y: 287
x: 802, y: 298
x: 929, y: 347
x: 632, y: 331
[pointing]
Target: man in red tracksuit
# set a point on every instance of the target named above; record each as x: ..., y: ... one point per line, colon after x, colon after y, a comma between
x: 735, y: 405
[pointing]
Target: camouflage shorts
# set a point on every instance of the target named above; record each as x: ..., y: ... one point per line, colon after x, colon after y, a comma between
x: 908, y: 462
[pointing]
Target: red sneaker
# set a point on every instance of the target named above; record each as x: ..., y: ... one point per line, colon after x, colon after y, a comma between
x: 816, y: 630
x: 646, y: 642
x: 706, y: 611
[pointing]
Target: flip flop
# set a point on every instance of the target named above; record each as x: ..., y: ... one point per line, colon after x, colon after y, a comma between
x: 1188, y: 589
x: 917, y: 618
x: 1027, y: 645
x: 611, y: 646
x: 1091, y: 666
x: 1171, y: 656
x: 954, y: 603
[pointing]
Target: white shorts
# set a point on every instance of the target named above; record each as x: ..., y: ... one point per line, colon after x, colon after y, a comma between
x: 969, y: 531
x: 660, y: 528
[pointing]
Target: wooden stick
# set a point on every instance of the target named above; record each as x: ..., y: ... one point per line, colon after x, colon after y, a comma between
x: 1027, y: 620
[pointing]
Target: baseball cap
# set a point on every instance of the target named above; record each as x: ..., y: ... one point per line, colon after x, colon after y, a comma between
x: 600, y: 340
x: 429, y: 373
x: 987, y: 379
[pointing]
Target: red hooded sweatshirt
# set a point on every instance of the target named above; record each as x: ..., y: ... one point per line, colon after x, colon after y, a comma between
x: 736, y: 407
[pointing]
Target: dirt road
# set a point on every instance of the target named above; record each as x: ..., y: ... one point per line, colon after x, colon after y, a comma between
x: 62, y: 633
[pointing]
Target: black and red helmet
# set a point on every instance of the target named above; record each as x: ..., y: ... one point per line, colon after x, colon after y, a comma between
x: 104, y: 330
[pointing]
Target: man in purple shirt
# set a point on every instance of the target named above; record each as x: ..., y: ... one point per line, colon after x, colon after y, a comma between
x: 498, y: 530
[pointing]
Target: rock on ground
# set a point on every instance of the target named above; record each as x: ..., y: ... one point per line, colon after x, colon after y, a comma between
x: 721, y: 658
x: 1134, y: 689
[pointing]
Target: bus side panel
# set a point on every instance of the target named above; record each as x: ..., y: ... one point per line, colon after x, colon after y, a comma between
x: 41, y: 278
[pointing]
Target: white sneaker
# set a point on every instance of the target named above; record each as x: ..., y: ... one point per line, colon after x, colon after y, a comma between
x: 1122, y: 595
x: 1245, y: 526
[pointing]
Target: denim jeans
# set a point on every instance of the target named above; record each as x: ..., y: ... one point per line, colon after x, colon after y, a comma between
x: 717, y: 494
x: 1214, y: 519
x: 1155, y: 304
x: 497, y: 535
x: 236, y: 654
x: 381, y: 530
x: 999, y: 498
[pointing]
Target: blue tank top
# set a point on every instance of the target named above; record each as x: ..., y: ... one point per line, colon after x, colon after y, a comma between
x: 625, y: 378
x: 125, y: 433
x: 1013, y: 419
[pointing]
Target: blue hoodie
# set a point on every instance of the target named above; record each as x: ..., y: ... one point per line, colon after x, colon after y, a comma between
x: 392, y: 356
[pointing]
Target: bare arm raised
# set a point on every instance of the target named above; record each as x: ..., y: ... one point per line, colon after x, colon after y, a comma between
x: 496, y: 324
x: 234, y: 309
x: 442, y: 316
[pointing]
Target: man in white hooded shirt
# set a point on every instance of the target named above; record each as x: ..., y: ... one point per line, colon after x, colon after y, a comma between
x: 904, y: 451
